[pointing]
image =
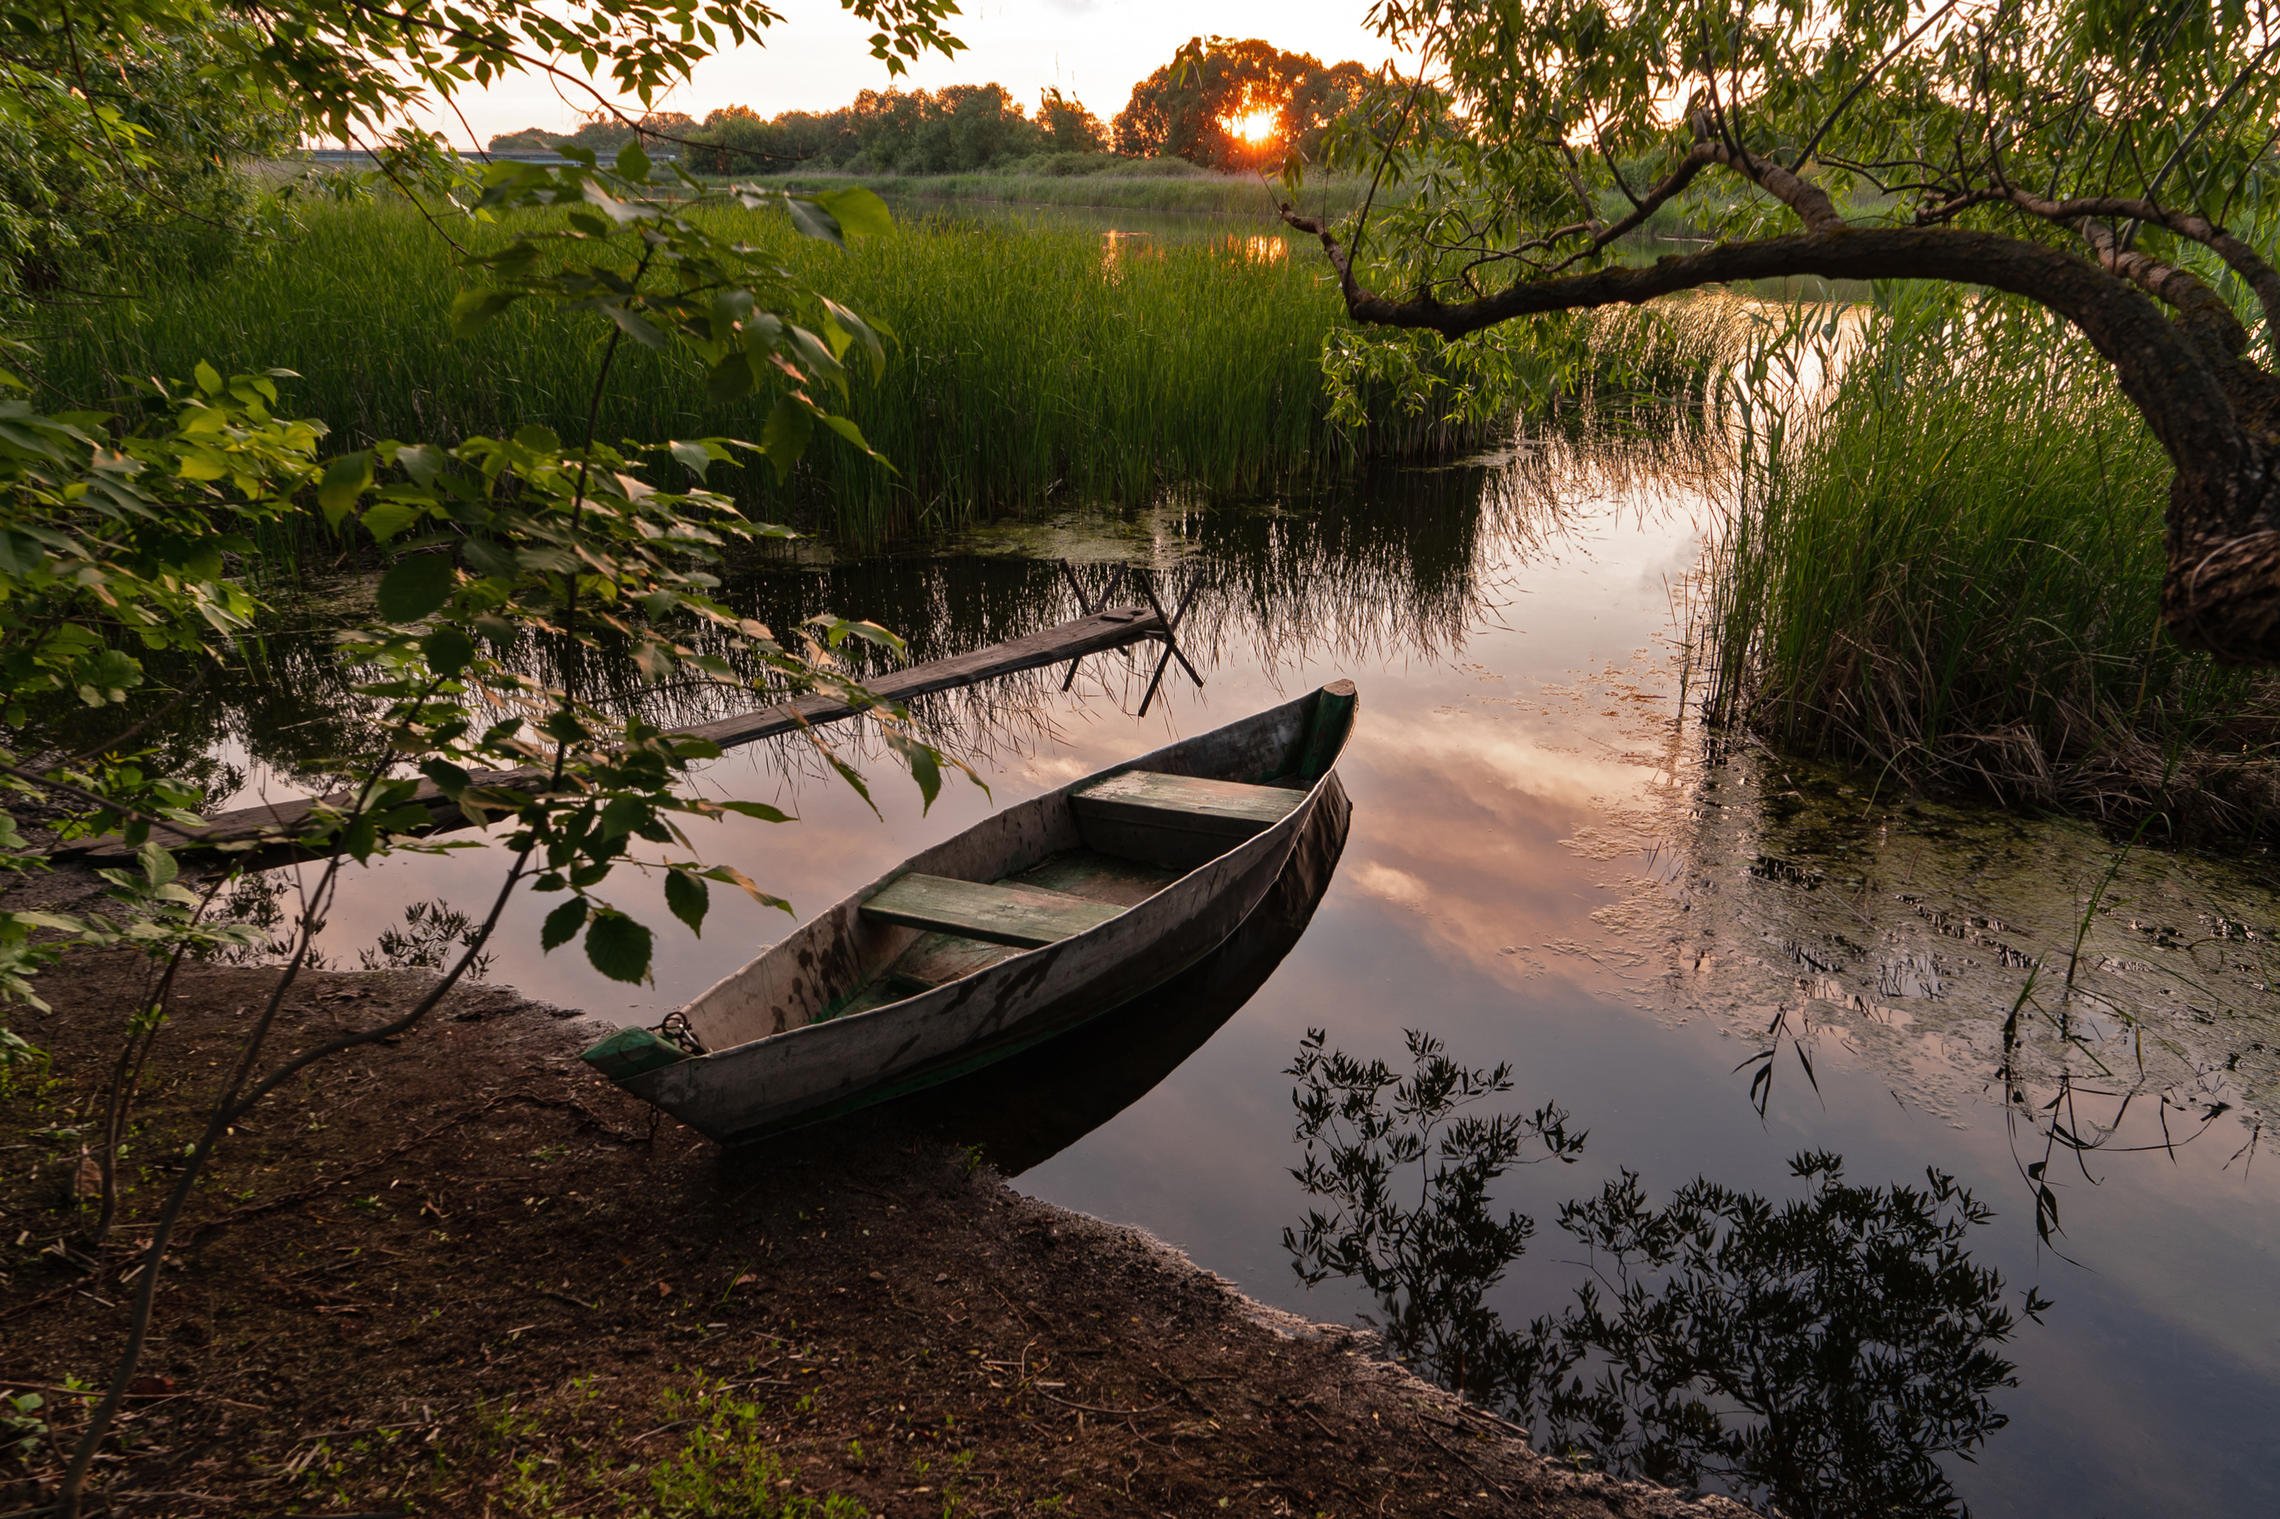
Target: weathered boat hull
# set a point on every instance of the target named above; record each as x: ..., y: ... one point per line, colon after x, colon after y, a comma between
x: 805, y: 1065
x: 1027, y: 1108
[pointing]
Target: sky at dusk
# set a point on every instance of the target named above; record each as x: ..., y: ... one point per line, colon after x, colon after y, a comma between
x: 1095, y: 50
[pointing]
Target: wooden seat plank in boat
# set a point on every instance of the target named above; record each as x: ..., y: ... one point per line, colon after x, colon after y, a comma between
x: 1002, y: 913
x: 936, y: 959
x: 1099, y: 877
x: 1176, y: 820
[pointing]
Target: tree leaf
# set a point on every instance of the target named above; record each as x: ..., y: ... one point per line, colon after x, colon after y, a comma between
x: 858, y: 211
x: 417, y: 587
x: 385, y: 519
x: 688, y: 897
x: 346, y: 478
x: 448, y: 650
x: 618, y: 947
x: 813, y: 220
x: 694, y: 457
x: 470, y: 309
x: 562, y: 924
x: 785, y: 437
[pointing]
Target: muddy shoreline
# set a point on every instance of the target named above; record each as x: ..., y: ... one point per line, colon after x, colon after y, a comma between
x: 457, y: 1275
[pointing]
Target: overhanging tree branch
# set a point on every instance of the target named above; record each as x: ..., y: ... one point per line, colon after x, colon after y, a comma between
x: 2160, y: 369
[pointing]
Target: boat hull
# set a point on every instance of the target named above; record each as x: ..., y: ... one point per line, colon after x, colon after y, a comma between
x: 819, y: 1069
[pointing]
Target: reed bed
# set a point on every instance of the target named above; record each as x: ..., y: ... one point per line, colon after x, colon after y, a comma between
x: 1032, y: 366
x: 1951, y: 572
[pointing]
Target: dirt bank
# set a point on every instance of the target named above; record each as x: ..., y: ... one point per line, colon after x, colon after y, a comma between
x: 459, y: 1276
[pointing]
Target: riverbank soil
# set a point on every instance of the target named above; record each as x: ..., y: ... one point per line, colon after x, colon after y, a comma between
x: 458, y: 1275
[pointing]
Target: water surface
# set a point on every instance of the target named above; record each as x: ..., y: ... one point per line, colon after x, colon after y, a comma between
x: 1713, y: 964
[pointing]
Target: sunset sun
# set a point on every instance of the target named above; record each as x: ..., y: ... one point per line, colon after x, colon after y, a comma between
x: 1257, y: 126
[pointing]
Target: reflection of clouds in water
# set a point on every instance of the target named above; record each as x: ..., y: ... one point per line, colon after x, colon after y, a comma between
x: 1398, y: 887
x: 1049, y: 771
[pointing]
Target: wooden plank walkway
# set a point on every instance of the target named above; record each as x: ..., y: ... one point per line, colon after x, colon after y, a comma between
x: 1112, y: 628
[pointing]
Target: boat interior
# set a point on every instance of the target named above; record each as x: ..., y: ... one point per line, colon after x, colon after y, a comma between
x: 1034, y: 874
x: 1136, y: 831
x: 1142, y: 830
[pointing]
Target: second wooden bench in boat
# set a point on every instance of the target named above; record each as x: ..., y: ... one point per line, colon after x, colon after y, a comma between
x: 1002, y: 912
x: 1177, y: 820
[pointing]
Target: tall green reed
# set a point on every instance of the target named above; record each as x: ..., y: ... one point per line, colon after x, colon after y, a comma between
x: 1948, y: 563
x: 1033, y: 366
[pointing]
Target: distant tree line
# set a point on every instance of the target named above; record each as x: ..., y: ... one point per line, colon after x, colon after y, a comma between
x: 1183, y: 110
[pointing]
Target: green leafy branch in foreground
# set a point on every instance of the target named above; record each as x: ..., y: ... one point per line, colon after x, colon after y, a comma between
x: 510, y: 562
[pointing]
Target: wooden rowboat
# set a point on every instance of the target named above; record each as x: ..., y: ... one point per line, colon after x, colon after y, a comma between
x: 1029, y: 1107
x: 1030, y: 923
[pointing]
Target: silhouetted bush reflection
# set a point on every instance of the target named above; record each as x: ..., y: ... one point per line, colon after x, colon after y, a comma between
x: 1815, y: 1355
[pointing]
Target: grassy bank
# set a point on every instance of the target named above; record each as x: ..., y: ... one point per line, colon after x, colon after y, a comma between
x: 1032, y: 365
x: 1953, y: 574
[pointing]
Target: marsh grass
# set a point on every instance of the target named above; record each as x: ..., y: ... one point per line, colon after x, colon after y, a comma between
x: 1951, y: 571
x: 1031, y: 367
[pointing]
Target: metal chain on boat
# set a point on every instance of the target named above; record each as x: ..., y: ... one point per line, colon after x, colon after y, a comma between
x: 674, y: 1029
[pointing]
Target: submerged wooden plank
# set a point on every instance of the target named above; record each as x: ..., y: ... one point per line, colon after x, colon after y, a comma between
x: 278, y: 822
x: 1002, y: 913
x: 936, y: 959
x: 1099, y: 877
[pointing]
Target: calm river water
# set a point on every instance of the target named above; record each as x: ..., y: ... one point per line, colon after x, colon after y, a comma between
x: 1544, y: 869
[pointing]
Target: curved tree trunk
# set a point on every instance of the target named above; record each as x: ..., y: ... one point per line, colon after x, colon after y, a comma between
x: 2181, y: 358
x: 2222, y: 592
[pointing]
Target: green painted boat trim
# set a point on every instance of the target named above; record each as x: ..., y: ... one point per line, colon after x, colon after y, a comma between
x: 631, y: 1051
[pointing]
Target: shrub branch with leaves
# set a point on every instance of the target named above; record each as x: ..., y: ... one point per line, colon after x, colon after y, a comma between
x: 506, y: 564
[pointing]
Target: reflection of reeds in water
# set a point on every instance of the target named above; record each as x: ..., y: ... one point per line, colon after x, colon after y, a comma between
x: 1400, y: 563
x: 2114, y: 1000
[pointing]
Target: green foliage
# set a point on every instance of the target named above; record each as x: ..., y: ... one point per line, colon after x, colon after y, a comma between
x: 118, y: 151
x: 727, y: 1464
x: 117, y: 530
x: 1068, y: 127
x: 958, y: 129
x: 1954, y: 572
x: 23, y: 1421
x: 122, y: 534
x: 1531, y: 127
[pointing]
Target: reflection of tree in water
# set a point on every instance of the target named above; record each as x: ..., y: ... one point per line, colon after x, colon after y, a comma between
x: 433, y: 933
x: 432, y: 930
x: 1373, y: 1138
x: 1817, y: 1355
